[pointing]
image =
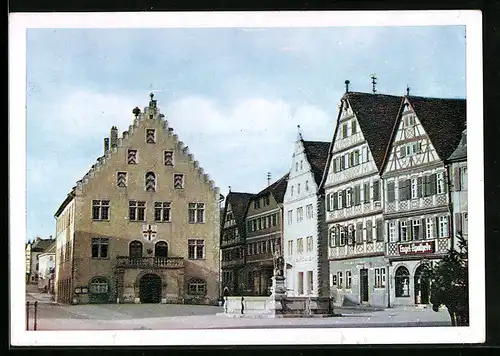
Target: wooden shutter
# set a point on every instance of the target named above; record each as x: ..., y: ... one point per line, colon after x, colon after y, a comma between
x: 409, y: 229
x: 408, y: 189
x: 390, y: 192
x: 432, y: 184
x: 436, y: 227
x: 344, y: 198
x: 445, y: 181
x: 458, y: 222
x: 380, y: 230
x: 369, y: 231
x: 376, y: 190
x: 419, y: 187
x: 328, y: 203
x: 335, y: 201
x: 335, y: 165
x: 357, y: 194
x: 401, y: 189
x: 366, y: 192
x: 421, y: 230
x: 426, y: 186
x: 351, y: 159
x: 359, y: 232
x: 398, y: 234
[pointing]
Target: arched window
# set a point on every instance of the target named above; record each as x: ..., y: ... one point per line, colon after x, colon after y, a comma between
x: 98, y: 285
x: 135, y: 249
x: 197, y: 287
x: 161, y: 249
x: 150, y: 182
x: 402, y: 281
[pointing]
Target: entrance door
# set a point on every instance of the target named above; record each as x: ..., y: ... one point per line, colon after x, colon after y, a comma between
x: 363, y: 285
x: 422, y: 287
x: 150, y: 288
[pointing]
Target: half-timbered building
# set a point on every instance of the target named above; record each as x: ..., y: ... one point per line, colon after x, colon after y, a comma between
x: 416, y: 199
x: 354, y: 206
x: 305, y: 249
x: 233, y: 242
x: 264, y: 238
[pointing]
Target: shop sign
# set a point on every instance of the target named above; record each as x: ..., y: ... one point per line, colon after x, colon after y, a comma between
x: 416, y: 248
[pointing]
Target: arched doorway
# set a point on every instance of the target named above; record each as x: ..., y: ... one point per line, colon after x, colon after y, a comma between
x: 150, y: 288
x: 402, y: 281
x: 422, y: 287
x: 161, y: 253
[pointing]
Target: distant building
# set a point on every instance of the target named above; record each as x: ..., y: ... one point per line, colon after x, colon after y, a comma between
x: 264, y: 237
x: 143, y: 224
x: 458, y: 187
x: 233, y: 242
x: 305, y: 249
x: 46, y: 268
x: 416, y: 197
x: 32, y: 250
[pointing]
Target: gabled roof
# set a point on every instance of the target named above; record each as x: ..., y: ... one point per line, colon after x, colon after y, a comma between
x: 443, y: 121
x: 277, y: 189
x: 460, y: 153
x: 376, y: 115
x: 51, y: 248
x: 239, y: 203
x: 42, y: 245
x: 66, y: 201
x: 317, y: 155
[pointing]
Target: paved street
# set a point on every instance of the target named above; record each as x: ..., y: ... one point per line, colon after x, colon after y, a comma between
x: 171, y: 316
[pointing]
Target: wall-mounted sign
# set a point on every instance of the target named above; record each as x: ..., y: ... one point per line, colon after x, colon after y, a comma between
x: 416, y: 248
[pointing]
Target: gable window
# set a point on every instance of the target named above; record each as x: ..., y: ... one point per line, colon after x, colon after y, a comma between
x: 150, y: 136
x: 178, y: 181
x: 404, y: 230
x: 309, y: 211
x: 100, y: 247
x: 307, y: 185
x: 196, y: 213
x: 354, y: 127
x: 296, y: 166
x: 150, y: 182
x: 274, y: 219
x: 100, y: 209
x: 137, y: 210
x: 132, y: 156
x: 344, y: 130
x: 291, y: 191
x: 197, y: 287
x: 443, y: 226
x: 121, y: 179
x: 298, y: 188
x: 266, y: 200
x: 300, y: 165
x: 163, y: 211
x: 196, y: 249
x: 168, y: 158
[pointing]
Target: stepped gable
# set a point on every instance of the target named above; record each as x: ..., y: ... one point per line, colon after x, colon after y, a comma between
x: 150, y: 112
x: 443, y: 120
x: 277, y: 189
x: 317, y: 155
x: 239, y: 203
x: 376, y: 115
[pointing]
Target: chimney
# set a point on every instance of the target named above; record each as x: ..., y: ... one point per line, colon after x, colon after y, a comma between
x: 268, y: 179
x: 114, y: 136
x: 347, y: 86
x: 106, y: 145
x: 374, y: 82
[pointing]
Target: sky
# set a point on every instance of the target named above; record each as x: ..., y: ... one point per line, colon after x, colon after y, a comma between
x: 233, y: 95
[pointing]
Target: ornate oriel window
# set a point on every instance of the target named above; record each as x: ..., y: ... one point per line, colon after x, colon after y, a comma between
x: 150, y: 181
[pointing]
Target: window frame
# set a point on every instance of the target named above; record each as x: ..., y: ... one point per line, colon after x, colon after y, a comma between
x: 193, y: 246
x: 99, y: 242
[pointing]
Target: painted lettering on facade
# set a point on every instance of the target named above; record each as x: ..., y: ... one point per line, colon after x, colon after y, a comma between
x: 416, y: 248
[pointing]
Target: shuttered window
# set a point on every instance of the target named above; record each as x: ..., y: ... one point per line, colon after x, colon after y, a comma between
x: 359, y: 233
x: 366, y: 192
x: 335, y: 202
x: 369, y: 231
x: 376, y: 190
x: 391, y: 196
x: 380, y: 230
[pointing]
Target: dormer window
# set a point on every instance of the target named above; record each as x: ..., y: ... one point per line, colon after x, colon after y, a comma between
x: 344, y: 130
x: 353, y: 127
x: 150, y: 136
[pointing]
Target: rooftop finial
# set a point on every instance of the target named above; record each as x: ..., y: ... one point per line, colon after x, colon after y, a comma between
x: 136, y: 111
x: 407, y: 90
x: 347, y: 86
x: 151, y: 96
x: 374, y: 82
x: 299, y: 133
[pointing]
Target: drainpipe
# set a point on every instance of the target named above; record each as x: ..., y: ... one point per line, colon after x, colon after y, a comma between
x: 450, y: 206
x: 388, y: 282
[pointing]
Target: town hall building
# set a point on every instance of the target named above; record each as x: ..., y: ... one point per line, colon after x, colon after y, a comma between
x: 143, y: 224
